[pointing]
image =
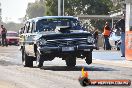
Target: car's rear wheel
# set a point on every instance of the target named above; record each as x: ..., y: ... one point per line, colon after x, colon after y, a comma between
x: 39, y: 59
x: 27, y: 60
x: 70, y: 61
x: 88, y: 57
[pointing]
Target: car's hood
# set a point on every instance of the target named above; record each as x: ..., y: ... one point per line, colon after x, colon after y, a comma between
x: 57, y: 35
x: 62, y: 32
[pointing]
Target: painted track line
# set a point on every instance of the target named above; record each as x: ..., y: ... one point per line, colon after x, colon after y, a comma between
x: 120, y: 63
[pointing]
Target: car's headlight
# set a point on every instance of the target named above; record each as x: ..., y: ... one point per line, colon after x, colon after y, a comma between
x: 90, y: 39
x: 42, y: 42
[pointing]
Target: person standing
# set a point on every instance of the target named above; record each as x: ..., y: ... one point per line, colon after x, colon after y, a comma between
x: 95, y: 34
x: 121, y: 24
x: 20, y: 31
x: 106, y: 35
x: 3, y: 35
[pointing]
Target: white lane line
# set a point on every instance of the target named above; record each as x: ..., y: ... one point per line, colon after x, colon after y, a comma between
x: 120, y: 63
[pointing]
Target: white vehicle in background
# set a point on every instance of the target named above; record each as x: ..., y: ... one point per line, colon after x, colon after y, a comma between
x: 114, y: 39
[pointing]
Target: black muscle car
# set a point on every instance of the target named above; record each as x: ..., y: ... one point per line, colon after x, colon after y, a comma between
x: 47, y: 37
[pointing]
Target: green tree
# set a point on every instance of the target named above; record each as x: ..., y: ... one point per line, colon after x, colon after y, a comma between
x: 118, y: 4
x: 82, y: 7
x: 52, y: 7
x: 77, y: 7
x: 36, y: 9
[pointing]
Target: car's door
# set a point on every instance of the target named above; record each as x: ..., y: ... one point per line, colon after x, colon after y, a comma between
x: 29, y: 43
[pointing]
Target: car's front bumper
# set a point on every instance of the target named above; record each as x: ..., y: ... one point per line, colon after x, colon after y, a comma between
x: 58, y: 49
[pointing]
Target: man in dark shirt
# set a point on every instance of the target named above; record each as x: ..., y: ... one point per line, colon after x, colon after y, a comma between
x: 95, y: 34
x: 3, y: 35
x: 121, y: 24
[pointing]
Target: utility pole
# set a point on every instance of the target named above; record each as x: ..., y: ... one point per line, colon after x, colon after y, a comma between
x: 60, y: 7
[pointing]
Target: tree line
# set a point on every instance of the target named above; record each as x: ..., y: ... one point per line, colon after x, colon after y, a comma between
x: 73, y: 8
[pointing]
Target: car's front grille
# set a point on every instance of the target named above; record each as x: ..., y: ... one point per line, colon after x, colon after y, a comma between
x: 66, y: 42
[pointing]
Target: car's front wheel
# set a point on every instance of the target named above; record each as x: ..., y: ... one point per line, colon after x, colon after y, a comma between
x: 88, y: 57
x: 27, y: 60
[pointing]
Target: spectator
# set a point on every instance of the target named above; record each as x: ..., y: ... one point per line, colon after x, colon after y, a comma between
x: 106, y: 35
x: 95, y: 34
x: 21, y: 31
x: 3, y: 35
x: 121, y: 24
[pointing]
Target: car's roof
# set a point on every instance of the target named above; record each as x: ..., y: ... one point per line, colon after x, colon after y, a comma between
x: 49, y: 17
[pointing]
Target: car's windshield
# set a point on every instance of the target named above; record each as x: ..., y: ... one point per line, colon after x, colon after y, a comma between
x: 51, y: 24
x: 12, y: 34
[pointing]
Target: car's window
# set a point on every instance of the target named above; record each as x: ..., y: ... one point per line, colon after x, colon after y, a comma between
x: 50, y: 24
x: 26, y: 27
x: 33, y: 27
x: 30, y: 28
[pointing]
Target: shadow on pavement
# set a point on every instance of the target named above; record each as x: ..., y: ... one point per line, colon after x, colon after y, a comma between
x: 77, y: 68
x: 7, y: 63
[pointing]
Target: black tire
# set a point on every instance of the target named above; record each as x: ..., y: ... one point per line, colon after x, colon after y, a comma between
x: 88, y: 58
x: 27, y: 60
x: 70, y: 61
x: 39, y: 59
